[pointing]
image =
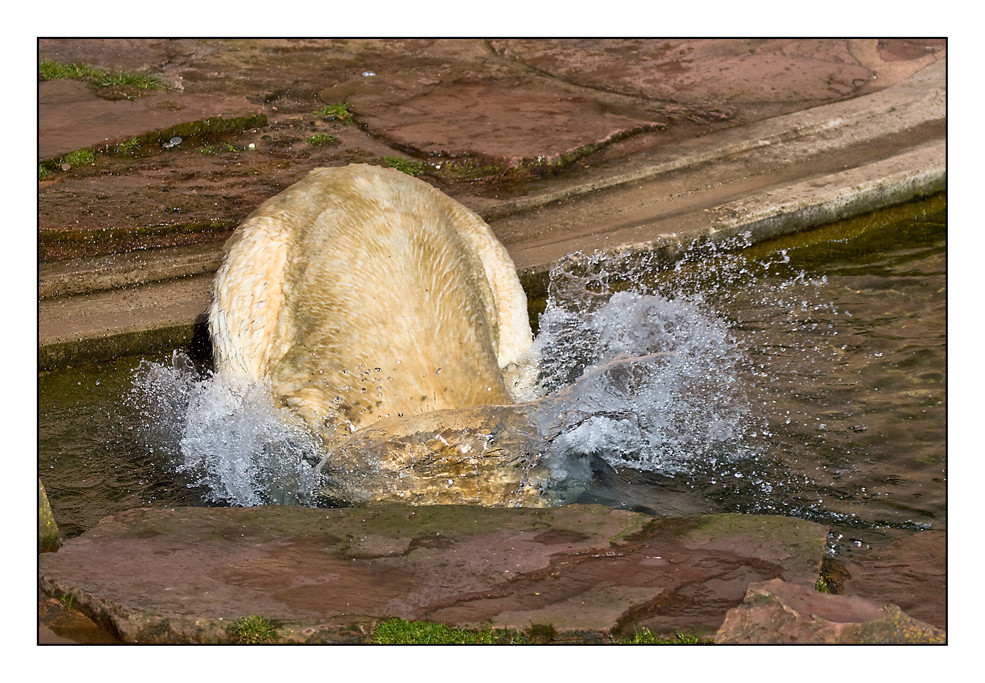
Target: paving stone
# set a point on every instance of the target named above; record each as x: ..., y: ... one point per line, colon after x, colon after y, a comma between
x: 186, y: 574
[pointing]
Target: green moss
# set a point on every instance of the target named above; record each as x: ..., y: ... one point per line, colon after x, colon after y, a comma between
x: 466, y: 170
x: 207, y: 132
x: 471, y: 169
x: 132, y: 80
x: 129, y: 147
x: 253, y: 630
x: 101, y: 78
x: 645, y: 636
x: 414, y: 168
x: 543, y: 165
x: 403, y: 632
x: 320, y: 139
x: 212, y: 150
x: 211, y: 129
x: 48, y: 537
x: 80, y: 157
x: 336, y: 112
x: 51, y: 71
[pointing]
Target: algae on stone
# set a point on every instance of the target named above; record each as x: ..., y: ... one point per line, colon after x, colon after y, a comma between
x: 48, y: 536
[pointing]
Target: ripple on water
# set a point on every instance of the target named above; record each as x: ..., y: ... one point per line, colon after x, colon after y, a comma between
x: 803, y: 377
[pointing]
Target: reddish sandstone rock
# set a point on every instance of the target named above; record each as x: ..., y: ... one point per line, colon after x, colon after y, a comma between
x: 71, y: 116
x: 185, y: 574
x: 502, y: 122
x: 545, y: 106
x: 776, y: 611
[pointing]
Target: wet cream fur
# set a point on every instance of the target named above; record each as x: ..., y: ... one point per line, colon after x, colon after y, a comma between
x: 361, y: 293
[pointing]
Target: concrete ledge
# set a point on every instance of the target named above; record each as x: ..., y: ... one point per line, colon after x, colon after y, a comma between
x: 909, y: 176
x: 53, y: 355
x: 117, y: 271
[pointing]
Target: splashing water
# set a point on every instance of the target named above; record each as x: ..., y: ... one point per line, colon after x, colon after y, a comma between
x: 737, y: 378
x: 640, y: 371
x: 231, y: 439
x: 633, y: 378
x: 647, y: 382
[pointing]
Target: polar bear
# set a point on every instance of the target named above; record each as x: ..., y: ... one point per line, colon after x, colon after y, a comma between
x: 362, y: 294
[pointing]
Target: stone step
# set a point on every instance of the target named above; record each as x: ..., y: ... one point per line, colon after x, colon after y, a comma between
x: 589, y: 573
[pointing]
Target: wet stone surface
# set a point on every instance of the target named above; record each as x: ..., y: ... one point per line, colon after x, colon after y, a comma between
x: 777, y: 612
x: 484, y: 119
x: 904, y: 568
x: 183, y: 575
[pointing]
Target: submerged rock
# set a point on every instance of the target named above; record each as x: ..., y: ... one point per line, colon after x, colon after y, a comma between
x: 48, y: 536
x: 472, y: 456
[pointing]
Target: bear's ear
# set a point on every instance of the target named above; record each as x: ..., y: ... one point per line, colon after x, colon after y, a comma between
x: 246, y: 299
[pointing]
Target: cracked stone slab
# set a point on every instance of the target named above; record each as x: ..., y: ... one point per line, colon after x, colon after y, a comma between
x: 504, y: 122
x: 328, y: 575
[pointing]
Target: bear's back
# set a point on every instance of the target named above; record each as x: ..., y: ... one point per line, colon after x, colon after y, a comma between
x: 363, y: 293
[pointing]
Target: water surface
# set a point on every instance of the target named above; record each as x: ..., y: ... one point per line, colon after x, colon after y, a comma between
x: 804, y: 377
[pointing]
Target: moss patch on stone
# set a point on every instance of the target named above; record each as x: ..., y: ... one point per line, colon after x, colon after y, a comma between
x: 210, y: 131
x: 403, y: 632
x: 336, y: 112
x: 408, y: 166
x: 253, y: 630
x: 102, y: 78
x: 321, y: 139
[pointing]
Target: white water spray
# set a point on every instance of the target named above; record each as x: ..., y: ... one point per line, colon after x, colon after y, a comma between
x: 637, y: 378
x: 640, y: 380
x: 230, y: 439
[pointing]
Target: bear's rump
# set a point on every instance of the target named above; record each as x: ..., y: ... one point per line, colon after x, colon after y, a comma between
x: 361, y: 294
x: 386, y: 318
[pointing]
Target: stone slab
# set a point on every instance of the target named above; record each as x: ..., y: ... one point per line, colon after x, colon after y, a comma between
x: 95, y: 121
x: 328, y: 575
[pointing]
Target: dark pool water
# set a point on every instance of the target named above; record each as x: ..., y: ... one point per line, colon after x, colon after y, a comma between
x: 814, y: 386
x: 843, y: 338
